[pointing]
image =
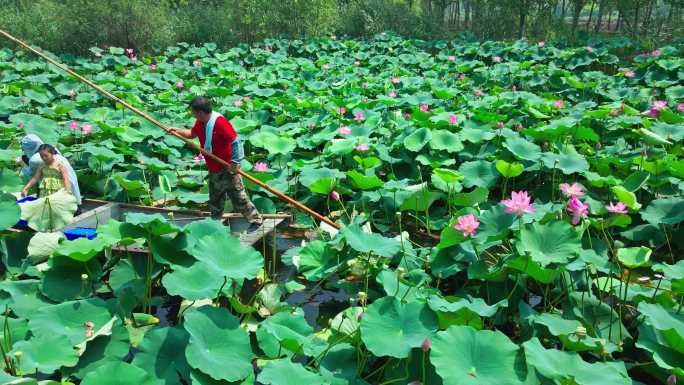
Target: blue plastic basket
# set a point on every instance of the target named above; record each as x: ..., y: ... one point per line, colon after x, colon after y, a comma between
x: 80, y: 232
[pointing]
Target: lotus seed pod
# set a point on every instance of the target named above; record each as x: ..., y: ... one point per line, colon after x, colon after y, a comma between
x: 84, y: 277
x: 362, y: 296
x: 581, y: 331
x: 18, y: 354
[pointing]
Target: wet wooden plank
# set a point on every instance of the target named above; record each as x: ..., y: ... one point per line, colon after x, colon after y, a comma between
x: 269, y: 225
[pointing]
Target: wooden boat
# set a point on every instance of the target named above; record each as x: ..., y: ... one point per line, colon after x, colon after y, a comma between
x: 97, y: 212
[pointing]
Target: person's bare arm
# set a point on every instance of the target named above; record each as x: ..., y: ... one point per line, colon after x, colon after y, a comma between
x: 187, y: 134
x: 65, y: 177
x: 32, y: 182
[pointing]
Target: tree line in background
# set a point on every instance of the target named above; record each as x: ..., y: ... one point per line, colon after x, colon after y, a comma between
x: 73, y: 26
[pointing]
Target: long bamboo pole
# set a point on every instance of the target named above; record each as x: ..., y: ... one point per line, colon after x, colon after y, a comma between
x: 167, y: 129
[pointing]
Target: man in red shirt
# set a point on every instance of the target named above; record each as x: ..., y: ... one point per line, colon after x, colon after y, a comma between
x: 222, y: 180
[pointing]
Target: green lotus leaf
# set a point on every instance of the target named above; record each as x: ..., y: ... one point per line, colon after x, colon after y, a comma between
x: 559, y: 366
x: 115, y: 232
x: 418, y: 139
x: 476, y: 305
x: 42, y: 245
x: 117, y: 373
x: 662, y: 319
x: 479, y: 173
x: 162, y: 355
x: 81, y: 249
x: 523, y: 149
x: 226, y: 255
x: 284, y: 331
x: 102, y: 349
x: 22, y: 297
x: 462, y: 355
x: 64, y: 280
x: 554, y: 242
x: 10, y: 182
x: 509, y: 170
x: 46, y: 129
x: 364, y: 182
x: 286, y: 372
x: 666, y: 356
x: 446, y: 140
x: 625, y: 196
x: 155, y: 224
x: 668, y: 211
x: 568, y: 163
x: 216, y: 338
x: 316, y: 260
x: 392, y: 328
x: 46, y: 353
x: 9, y: 211
x: 370, y: 243
x: 196, y: 282
x: 634, y: 257
x: 50, y: 213
x: 68, y: 319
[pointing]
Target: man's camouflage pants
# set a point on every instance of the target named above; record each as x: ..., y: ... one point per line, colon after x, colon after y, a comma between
x: 228, y: 182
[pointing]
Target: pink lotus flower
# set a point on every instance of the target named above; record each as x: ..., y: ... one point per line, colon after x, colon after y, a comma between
x: 407, y: 116
x: 500, y: 125
x: 514, y: 88
x: 362, y: 147
x: 198, y: 158
x: 344, y: 130
x: 572, y: 190
x: 392, y: 94
x: 453, y: 119
x: 426, y: 345
x: 519, y: 204
x: 72, y: 92
x: 451, y: 58
x: 341, y: 110
x: 618, y: 208
x: 153, y: 66
x: 97, y: 54
x: 578, y: 209
x: 73, y: 125
x: 478, y: 93
x: 424, y: 107
x: 129, y: 51
x: 559, y: 103
x: 519, y: 127
x: 260, y: 167
x: 659, y: 105
x: 180, y: 85
x: 359, y: 116
x: 20, y: 124
x: 589, y: 49
x: 238, y: 103
x: 87, y: 128
x: 197, y: 63
x: 312, y: 125
x: 396, y: 80
x: 364, y: 85
x: 656, y: 53
x: 468, y: 224
x: 680, y: 107
x: 333, y: 37
x: 541, y: 44
x: 334, y: 195
x: 630, y: 74
x: 497, y: 59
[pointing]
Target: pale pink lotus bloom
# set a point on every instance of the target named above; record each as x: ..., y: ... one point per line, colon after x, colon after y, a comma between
x: 341, y: 110
x: 453, y: 119
x: 134, y: 58
x: 325, y: 66
x: 559, y: 103
x: 392, y: 94
x: 333, y: 37
x: 467, y: 224
x: 129, y: 51
x: 614, y: 112
x: 497, y: 59
x: 238, y: 103
x: 514, y: 88
x: 198, y: 158
x: 312, y: 125
x: 97, y: 54
x: 124, y: 71
x: 451, y: 58
x: 519, y: 127
x: 153, y: 66
x: 541, y: 44
x: 578, y: 209
x: 630, y: 74
x: 359, y: 116
x: 501, y: 125
x: 362, y: 147
x: 424, y: 107
x: 364, y: 85
x: 344, y: 130
x: 260, y: 167
x: 87, y: 128
x: 659, y: 105
x: 396, y: 80
x: 246, y: 98
x: 73, y: 125
x: 141, y: 161
x: 19, y: 159
x: 618, y: 208
x: 478, y: 93
x: 680, y: 107
x: 426, y: 344
x: 197, y: 63
x: 407, y: 116
x: 656, y: 53
x: 589, y: 49
x: 180, y: 84
x: 334, y: 195
x: 519, y: 204
x: 572, y: 190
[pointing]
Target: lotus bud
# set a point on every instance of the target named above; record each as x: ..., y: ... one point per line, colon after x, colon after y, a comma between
x: 84, y: 277
x: 672, y: 380
x: 362, y: 296
x: 426, y: 345
x: 18, y: 354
